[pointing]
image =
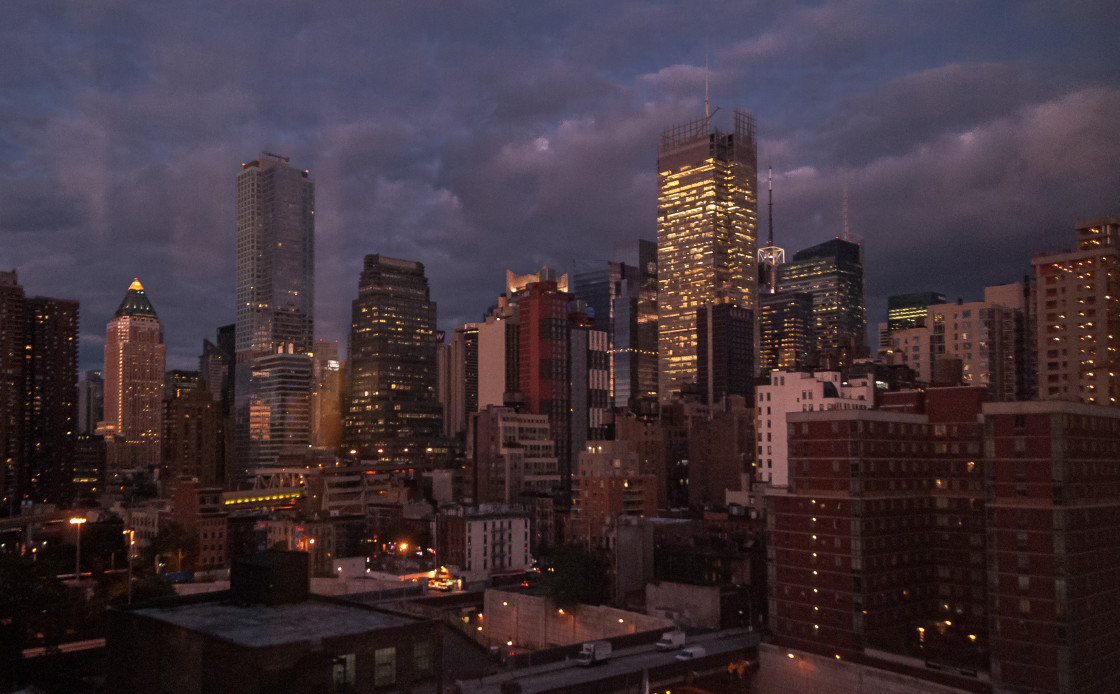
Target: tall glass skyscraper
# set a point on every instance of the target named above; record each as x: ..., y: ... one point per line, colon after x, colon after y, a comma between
x: 832, y: 273
x: 707, y: 239
x: 275, y: 303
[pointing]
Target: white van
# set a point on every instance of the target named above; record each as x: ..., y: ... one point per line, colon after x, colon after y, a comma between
x: 691, y: 653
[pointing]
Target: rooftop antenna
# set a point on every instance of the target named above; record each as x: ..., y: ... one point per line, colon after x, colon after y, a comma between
x: 707, y: 114
x: 770, y: 204
x: 844, y: 209
x: 770, y: 256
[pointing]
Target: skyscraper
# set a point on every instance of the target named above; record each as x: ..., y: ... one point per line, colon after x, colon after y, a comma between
x: 134, y: 371
x: 706, y: 234
x: 832, y: 273
x: 391, y: 412
x: 275, y: 296
x: 1077, y: 314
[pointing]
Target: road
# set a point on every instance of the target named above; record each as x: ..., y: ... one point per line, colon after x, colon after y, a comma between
x: 624, y: 662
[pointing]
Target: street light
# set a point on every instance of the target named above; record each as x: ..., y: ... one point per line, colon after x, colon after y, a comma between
x: 78, y: 548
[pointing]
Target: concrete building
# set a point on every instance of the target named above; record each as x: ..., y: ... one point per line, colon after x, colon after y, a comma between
x: 1077, y: 314
x: 607, y: 486
x: 134, y: 373
x: 513, y: 456
x: 268, y: 634
x: 799, y: 392
x: 192, y: 440
x: 707, y: 237
x: 275, y: 302
x: 910, y: 310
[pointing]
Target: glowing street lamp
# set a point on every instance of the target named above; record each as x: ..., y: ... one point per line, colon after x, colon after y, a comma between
x: 78, y: 548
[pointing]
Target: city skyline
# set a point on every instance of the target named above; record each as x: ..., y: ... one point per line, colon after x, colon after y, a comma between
x: 968, y: 138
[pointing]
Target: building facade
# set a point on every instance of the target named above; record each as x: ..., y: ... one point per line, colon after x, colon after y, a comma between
x: 1077, y: 315
x: 707, y: 238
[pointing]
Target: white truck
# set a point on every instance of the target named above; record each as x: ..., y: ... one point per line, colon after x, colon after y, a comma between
x: 670, y: 640
x: 594, y: 652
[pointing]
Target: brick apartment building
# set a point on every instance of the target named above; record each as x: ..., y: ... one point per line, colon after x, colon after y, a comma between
x: 970, y: 536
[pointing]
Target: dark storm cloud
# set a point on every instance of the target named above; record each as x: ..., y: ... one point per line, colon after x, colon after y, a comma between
x: 476, y: 137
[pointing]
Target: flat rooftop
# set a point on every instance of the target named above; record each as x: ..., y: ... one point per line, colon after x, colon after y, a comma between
x: 262, y: 625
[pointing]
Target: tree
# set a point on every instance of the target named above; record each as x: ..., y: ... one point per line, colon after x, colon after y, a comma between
x: 30, y: 603
x: 572, y: 575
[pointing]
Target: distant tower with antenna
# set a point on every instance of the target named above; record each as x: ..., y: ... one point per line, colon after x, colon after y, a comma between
x: 770, y: 256
x: 707, y: 236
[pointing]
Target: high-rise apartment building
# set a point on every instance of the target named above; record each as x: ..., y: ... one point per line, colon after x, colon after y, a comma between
x: 965, y: 535
x: 707, y: 238
x: 134, y: 373
x: 1077, y: 316
x: 275, y: 300
x: 38, y: 396
x: 989, y: 337
x: 51, y: 409
x: 832, y: 273
x: 11, y: 392
x: 392, y: 414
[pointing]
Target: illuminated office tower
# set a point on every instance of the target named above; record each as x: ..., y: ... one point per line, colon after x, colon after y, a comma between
x: 909, y: 310
x: 275, y: 295
x: 706, y: 235
x: 392, y: 414
x: 1077, y: 316
x: 134, y: 372
x: 832, y: 273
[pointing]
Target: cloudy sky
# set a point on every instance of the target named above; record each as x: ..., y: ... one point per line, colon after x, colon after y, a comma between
x: 476, y: 136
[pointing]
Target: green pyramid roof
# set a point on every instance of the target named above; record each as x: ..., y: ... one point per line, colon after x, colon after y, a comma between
x: 136, y: 302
